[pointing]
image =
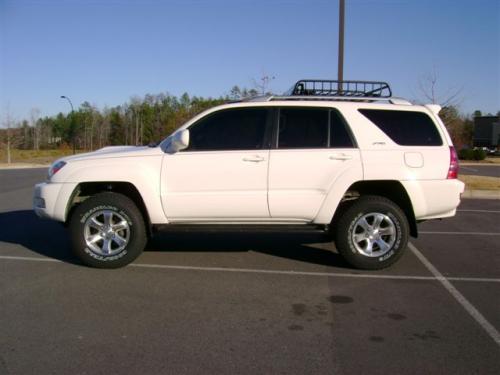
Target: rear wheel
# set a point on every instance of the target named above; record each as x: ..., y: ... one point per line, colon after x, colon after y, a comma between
x: 107, y: 231
x: 372, y: 233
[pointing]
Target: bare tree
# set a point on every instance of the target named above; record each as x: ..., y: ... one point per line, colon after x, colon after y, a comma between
x: 35, y: 112
x: 262, y: 84
x: 8, y: 125
x: 135, y: 105
x: 430, y: 92
x: 449, y: 100
x: 92, y: 125
x: 12, y: 138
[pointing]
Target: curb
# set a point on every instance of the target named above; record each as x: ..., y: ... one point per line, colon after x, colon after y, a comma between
x: 481, y: 194
x: 480, y: 164
x: 23, y: 166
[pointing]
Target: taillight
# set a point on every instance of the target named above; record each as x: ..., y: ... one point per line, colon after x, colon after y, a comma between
x: 453, y: 171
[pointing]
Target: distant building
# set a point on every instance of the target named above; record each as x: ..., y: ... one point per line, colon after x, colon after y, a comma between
x: 487, y: 131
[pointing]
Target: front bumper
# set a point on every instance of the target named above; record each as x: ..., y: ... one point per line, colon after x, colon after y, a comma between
x: 50, y: 200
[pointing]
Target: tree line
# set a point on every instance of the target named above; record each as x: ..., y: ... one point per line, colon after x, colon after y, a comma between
x: 141, y: 121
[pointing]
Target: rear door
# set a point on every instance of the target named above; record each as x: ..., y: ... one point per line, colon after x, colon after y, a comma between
x: 311, y: 148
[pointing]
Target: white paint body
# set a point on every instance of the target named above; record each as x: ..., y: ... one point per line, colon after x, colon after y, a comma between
x: 265, y: 186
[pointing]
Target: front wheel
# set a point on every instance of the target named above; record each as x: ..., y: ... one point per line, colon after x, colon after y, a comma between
x: 372, y: 233
x: 107, y: 231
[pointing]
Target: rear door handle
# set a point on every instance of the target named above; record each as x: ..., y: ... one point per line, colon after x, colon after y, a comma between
x: 254, y: 159
x: 340, y: 157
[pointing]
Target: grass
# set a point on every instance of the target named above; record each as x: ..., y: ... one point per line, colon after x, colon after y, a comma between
x: 480, y: 182
x: 32, y: 156
x: 492, y: 160
x: 488, y: 160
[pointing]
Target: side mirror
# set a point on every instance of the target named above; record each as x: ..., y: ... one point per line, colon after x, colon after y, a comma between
x: 180, y: 141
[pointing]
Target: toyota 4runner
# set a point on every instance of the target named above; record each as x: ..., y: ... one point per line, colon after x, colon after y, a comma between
x: 346, y: 158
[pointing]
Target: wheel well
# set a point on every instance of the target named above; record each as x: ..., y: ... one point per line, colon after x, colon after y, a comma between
x: 87, y: 189
x: 392, y: 190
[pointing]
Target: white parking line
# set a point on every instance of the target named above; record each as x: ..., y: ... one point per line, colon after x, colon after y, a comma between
x: 462, y: 233
x: 482, y: 211
x: 281, y: 272
x: 275, y: 272
x: 31, y: 259
x: 469, y: 307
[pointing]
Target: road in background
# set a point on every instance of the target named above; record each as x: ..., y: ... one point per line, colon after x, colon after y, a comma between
x: 480, y: 170
x: 20, y: 179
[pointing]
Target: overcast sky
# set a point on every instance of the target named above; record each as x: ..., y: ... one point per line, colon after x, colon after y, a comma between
x: 105, y: 52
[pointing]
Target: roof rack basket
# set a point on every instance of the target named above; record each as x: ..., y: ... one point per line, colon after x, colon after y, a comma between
x: 348, y: 89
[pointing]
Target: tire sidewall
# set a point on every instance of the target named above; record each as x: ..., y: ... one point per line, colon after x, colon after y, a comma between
x: 395, y: 247
x: 136, y: 238
x: 344, y: 240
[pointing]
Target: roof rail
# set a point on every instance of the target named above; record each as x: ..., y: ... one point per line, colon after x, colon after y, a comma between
x: 344, y: 89
x: 258, y: 98
x: 332, y: 90
x: 392, y: 100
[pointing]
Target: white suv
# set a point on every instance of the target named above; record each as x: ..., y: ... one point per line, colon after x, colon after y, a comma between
x: 345, y: 158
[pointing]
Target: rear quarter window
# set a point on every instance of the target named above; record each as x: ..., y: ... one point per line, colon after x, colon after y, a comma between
x: 406, y: 128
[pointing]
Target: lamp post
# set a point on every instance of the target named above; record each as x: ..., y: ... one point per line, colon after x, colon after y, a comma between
x: 71, y: 122
x: 341, y: 44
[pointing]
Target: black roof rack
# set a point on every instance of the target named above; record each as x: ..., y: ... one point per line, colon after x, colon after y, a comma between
x: 348, y: 89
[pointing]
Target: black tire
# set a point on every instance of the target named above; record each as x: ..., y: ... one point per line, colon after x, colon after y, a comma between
x: 116, y: 206
x: 351, y: 222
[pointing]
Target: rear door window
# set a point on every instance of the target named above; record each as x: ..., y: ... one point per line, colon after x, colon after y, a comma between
x: 303, y: 128
x: 406, y: 128
x: 312, y: 128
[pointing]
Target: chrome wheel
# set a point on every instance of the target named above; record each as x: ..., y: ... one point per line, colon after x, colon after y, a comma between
x: 106, y: 232
x: 374, y: 234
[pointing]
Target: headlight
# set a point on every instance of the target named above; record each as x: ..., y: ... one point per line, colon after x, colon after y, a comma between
x: 56, y: 167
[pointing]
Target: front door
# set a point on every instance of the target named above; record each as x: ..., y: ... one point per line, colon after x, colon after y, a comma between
x: 222, y: 175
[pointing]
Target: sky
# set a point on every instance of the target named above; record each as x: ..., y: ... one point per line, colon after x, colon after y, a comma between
x: 107, y: 51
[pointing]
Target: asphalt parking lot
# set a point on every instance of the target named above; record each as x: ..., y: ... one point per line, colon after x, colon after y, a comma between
x: 231, y: 303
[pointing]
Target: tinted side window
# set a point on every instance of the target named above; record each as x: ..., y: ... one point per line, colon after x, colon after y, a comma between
x: 233, y: 129
x: 303, y: 128
x: 339, y: 135
x: 406, y: 128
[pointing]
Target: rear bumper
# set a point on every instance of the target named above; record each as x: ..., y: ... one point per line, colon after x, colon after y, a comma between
x: 434, y: 199
x: 50, y: 200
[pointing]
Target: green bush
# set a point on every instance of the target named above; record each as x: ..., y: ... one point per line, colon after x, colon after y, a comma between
x: 470, y: 154
x: 479, y: 154
x: 466, y: 154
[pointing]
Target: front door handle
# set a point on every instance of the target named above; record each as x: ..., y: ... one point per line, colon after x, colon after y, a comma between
x: 340, y: 157
x: 254, y: 159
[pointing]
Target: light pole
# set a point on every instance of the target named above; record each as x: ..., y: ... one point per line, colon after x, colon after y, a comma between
x: 71, y: 121
x: 69, y: 100
x: 341, y: 44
